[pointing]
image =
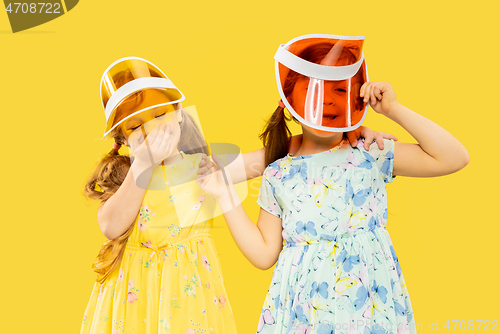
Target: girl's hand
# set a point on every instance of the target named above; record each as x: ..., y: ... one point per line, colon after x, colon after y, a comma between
x: 380, y: 95
x: 213, y: 178
x: 154, y: 148
x: 369, y: 135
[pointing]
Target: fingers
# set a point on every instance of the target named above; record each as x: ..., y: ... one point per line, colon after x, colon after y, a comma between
x: 371, y: 92
x: 386, y: 135
x: 368, y: 140
x: 218, y: 162
x: 204, y: 170
x: 380, y: 140
x: 165, y: 142
x: 362, y: 90
x: 365, y: 91
x: 378, y: 93
x: 136, y: 138
x: 204, y: 167
x: 373, y: 99
x: 151, y: 137
x: 353, y: 136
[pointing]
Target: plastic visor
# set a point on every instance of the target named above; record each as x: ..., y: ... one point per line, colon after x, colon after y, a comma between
x: 124, y: 80
x: 177, y: 181
x: 319, y: 79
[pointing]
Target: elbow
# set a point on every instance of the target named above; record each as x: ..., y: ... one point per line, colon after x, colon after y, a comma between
x: 462, y: 161
x: 454, y: 164
x: 466, y: 160
x: 105, y: 231
x: 264, y: 264
x: 108, y: 235
x: 111, y: 234
x: 263, y: 267
x: 104, y: 225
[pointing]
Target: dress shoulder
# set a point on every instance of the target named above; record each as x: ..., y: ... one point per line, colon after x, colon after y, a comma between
x: 384, y: 159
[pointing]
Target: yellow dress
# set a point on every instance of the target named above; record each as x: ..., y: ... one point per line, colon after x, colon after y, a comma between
x: 170, y: 278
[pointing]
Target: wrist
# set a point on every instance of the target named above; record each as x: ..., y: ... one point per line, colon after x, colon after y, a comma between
x: 141, y: 164
x: 229, y: 199
x: 393, y: 109
x: 141, y: 170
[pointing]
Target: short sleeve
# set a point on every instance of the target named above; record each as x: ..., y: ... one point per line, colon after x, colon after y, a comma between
x: 385, y: 160
x: 267, y: 196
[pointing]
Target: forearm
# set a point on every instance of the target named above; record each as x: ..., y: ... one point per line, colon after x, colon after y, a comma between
x: 432, y: 138
x: 246, y: 166
x: 247, y: 235
x: 121, y: 209
x: 255, y: 162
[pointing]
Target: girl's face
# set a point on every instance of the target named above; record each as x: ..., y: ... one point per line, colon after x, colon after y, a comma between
x: 143, y: 123
x: 334, y: 104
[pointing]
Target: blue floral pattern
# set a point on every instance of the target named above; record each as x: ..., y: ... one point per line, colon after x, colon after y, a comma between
x: 338, y: 271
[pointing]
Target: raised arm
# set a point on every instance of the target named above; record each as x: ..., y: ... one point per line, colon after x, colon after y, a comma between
x: 437, y: 153
x: 120, y: 210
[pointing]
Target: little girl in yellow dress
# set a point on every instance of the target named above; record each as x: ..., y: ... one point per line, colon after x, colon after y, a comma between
x: 162, y: 273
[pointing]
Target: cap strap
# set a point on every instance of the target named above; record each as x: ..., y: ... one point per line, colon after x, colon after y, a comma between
x: 135, y: 85
x: 312, y: 70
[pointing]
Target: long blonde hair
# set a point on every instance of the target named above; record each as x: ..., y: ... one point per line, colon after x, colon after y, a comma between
x: 112, y: 169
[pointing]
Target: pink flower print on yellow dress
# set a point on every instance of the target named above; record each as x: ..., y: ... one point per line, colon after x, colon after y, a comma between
x: 145, y: 215
x: 121, y: 275
x: 197, y: 206
x: 131, y: 296
x: 206, y: 264
x: 222, y: 300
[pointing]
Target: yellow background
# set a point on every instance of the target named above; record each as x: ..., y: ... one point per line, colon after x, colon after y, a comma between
x: 440, y: 57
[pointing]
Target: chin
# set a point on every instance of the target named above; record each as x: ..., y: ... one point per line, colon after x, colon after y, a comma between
x: 322, y: 133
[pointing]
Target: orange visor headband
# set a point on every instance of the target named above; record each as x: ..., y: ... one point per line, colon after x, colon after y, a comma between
x: 319, y: 79
x: 123, y: 80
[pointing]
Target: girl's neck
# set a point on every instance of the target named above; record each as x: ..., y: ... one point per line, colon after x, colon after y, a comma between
x: 173, y: 159
x: 312, y: 144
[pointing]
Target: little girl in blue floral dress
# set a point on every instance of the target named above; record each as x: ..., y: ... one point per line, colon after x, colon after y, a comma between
x: 323, y: 222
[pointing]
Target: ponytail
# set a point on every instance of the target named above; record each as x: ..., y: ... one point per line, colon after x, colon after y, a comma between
x: 108, y: 175
x: 104, y: 181
x: 276, y: 136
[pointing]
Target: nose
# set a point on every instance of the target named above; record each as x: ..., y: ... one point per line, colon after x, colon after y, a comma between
x: 329, y: 100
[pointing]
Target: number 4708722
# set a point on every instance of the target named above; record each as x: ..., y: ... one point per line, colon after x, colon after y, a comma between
x: 471, y: 325
x: 50, y: 8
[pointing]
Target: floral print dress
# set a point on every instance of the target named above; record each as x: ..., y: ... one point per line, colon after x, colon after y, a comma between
x: 338, y: 271
x: 170, y: 278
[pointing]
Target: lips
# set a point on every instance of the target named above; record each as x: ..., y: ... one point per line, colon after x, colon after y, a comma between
x: 329, y: 116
